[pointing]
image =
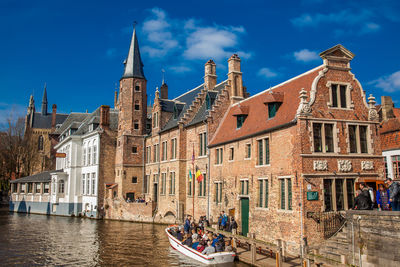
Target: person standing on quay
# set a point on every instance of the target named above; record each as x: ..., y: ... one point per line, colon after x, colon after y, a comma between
x: 394, y: 194
x: 382, y: 198
x: 187, y: 224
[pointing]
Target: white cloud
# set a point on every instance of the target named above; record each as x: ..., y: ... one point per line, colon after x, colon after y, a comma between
x: 349, y: 21
x: 267, y: 73
x: 159, y: 34
x: 306, y: 55
x: 190, y: 39
x: 10, y: 112
x: 389, y: 83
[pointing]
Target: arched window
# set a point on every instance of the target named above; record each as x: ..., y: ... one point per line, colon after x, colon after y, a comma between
x: 137, y: 106
x: 136, y: 125
x: 61, y: 187
x: 137, y: 87
x: 40, y: 143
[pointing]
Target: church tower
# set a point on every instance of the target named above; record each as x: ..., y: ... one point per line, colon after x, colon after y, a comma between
x: 132, y: 106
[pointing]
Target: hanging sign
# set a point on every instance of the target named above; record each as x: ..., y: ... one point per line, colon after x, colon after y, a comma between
x: 313, y: 195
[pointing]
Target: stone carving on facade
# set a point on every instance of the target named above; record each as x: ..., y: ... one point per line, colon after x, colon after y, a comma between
x: 304, y: 107
x: 344, y: 165
x: 372, y: 113
x: 320, y: 165
x: 367, y: 165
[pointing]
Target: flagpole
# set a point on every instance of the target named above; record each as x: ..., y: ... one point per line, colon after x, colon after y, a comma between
x: 193, y: 178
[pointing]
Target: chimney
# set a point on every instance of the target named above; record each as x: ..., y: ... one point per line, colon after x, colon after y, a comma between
x: 210, y: 75
x: 387, y: 108
x: 53, y: 116
x: 104, y: 116
x: 235, y: 76
x: 164, y: 91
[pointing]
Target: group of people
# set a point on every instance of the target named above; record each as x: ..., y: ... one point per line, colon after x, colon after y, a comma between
x: 387, y: 197
x: 195, y: 236
x: 227, y: 224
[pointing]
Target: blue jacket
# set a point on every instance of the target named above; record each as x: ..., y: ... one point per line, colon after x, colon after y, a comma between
x: 187, y: 226
x: 379, y: 199
x: 195, y: 244
x: 224, y: 220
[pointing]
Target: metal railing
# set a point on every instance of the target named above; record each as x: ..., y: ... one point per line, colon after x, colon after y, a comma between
x: 328, y: 223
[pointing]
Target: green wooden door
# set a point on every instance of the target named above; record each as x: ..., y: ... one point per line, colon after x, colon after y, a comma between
x: 245, y: 215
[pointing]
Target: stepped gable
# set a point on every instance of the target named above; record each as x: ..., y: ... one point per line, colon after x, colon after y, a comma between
x: 257, y: 119
x: 182, y: 102
x: 42, y: 121
x: 201, y: 113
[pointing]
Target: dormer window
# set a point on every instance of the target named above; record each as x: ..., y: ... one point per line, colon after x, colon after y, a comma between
x: 240, y: 120
x: 175, y: 113
x: 273, y: 109
x: 208, y: 102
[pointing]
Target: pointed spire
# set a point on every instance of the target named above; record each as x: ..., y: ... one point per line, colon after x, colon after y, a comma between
x: 44, y: 101
x: 133, y: 63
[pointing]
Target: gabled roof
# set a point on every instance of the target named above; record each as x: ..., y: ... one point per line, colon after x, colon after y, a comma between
x: 39, y: 177
x: 257, y: 120
x: 41, y: 121
x: 71, y: 119
x: 392, y: 124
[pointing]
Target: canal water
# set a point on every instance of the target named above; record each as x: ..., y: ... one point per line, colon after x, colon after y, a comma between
x: 39, y: 240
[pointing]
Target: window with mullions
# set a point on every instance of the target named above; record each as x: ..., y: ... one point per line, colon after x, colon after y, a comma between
x: 240, y: 120
x: 273, y: 109
x: 172, y: 183
x: 263, y: 152
x: 202, y: 186
x: 173, y: 148
x: 219, y: 156
x: 358, y: 139
x: 146, y: 184
x: 163, y: 183
x: 218, y: 192
x: 263, y: 193
x: 202, y: 144
x: 339, y: 96
x: 285, y: 193
x: 164, y: 151
x: 323, y: 137
x: 396, y: 167
x: 338, y: 194
x: 244, y: 187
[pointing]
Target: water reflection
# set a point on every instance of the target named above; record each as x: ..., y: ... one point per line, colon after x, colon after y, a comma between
x: 37, y: 240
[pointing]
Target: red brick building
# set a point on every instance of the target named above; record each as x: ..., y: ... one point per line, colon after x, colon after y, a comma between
x: 295, y: 150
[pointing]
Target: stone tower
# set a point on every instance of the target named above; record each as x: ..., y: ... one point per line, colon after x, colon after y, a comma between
x: 132, y: 106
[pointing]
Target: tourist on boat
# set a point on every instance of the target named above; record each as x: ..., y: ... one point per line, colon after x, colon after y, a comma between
x: 209, y: 249
x: 205, y: 235
x: 201, y: 246
x: 188, y: 240
x: 179, y: 235
x: 233, y: 226
x: 187, y: 224
x: 214, y: 240
x: 196, y: 242
x: 228, y: 246
x: 194, y: 234
x: 382, y: 198
x: 219, y: 245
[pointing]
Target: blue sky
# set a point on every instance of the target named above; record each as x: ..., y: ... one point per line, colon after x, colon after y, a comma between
x: 77, y: 47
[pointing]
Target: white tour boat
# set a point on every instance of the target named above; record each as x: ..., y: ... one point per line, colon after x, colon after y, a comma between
x: 215, y: 258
